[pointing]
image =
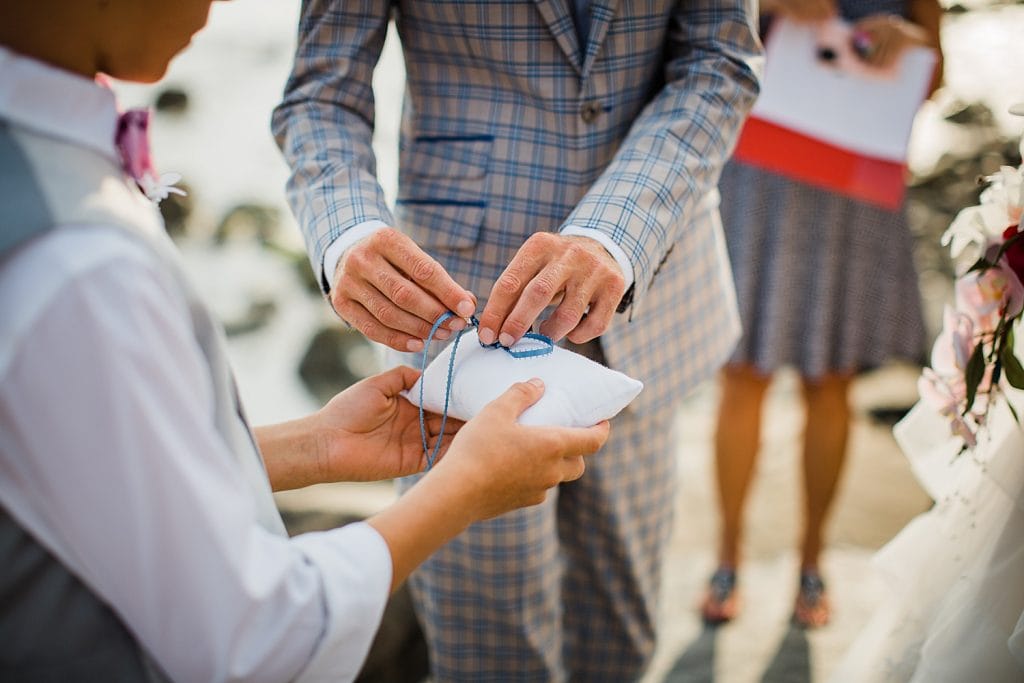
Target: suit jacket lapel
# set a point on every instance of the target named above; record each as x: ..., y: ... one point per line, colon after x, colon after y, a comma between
x: 558, y: 16
x: 601, y: 14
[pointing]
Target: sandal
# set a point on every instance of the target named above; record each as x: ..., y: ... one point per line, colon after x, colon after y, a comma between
x: 812, y: 608
x: 721, y: 602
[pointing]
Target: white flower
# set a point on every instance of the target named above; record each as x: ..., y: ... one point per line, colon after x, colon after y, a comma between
x: 1006, y: 190
x: 158, y: 189
x: 981, y: 226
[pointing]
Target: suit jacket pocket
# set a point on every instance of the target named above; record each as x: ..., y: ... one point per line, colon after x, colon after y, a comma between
x: 442, y: 223
x: 442, y: 194
x: 445, y: 156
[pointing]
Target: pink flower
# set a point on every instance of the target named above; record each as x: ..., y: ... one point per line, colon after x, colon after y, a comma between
x: 132, y: 142
x: 943, y: 385
x: 939, y: 392
x: 990, y: 294
x: 958, y: 426
x: 947, y: 395
x: 954, y: 345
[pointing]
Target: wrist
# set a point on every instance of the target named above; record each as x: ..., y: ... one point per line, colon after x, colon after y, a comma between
x: 609, y: 248
x: 335, y: 252
x: 430, y: 514
x: 294, y: 452
x: 456, y: 489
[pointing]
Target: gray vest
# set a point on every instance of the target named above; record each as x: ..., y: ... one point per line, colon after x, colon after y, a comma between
x: 52, y: 626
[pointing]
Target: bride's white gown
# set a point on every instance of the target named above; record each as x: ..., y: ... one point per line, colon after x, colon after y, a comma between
x: 954, y: 608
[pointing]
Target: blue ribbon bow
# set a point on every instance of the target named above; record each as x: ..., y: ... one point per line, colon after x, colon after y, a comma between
x: 547, y: 346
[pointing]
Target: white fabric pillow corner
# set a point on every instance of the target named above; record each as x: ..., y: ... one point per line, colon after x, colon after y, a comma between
x: 578, y: 392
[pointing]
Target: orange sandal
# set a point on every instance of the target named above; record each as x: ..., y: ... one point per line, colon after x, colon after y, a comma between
x: 812, y: 609
x: 721, y: 602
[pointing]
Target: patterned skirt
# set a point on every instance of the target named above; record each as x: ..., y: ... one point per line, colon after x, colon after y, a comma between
x: 825, y: 283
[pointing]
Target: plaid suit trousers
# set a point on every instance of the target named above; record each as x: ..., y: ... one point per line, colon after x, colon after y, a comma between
x: 566, y: 590
x: 511, y: 126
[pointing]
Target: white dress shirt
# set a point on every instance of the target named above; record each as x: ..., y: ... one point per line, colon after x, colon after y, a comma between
x: 348, y: 239
x: 109, y: 457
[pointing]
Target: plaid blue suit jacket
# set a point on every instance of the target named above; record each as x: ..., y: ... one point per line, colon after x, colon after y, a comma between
x: 510, y: 126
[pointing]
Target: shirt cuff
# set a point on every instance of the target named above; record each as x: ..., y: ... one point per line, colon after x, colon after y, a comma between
x: 355, y: 567
x: 336, y: 249
x: 609, y: 245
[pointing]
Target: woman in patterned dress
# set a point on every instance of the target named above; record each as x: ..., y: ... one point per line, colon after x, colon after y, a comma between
x: 826, y: 284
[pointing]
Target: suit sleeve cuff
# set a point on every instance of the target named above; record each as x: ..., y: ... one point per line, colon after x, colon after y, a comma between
x: 609, y: 245
x: 355, y: 567
x: 336, y: 249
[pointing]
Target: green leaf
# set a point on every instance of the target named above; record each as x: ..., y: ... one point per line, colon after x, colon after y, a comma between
x: 1011, y: 367
x: 975, y: 371
x: 1013, y: 411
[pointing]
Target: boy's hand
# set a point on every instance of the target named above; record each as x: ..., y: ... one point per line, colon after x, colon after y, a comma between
x: 370, y: 432
x: 496, y: 464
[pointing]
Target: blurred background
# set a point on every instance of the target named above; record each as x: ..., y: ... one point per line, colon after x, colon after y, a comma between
x: 242, y: 247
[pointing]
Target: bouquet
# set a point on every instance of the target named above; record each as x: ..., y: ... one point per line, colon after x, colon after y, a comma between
x: 974, y: 355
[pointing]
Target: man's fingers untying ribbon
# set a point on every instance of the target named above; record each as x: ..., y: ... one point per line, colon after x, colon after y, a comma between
x: 390, y: 279
x: 387, y: 312
x: 549, y: 267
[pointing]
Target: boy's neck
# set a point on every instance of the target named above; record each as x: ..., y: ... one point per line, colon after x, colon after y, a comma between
x: 61, y: 42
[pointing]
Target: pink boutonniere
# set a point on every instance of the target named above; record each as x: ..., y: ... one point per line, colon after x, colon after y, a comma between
x: 132, y: 142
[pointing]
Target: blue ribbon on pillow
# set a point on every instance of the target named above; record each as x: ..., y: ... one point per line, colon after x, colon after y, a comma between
x: 546, y: 347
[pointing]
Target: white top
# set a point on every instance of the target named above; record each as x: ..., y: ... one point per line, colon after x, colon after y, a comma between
x: 109, y: 458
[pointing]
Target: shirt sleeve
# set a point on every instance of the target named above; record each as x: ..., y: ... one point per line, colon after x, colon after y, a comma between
x: 609, y: 245
x: 111, y: 460
x: 347, y: 239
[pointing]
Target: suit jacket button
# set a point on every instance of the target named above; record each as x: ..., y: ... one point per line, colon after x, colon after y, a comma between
x: 590, y: 111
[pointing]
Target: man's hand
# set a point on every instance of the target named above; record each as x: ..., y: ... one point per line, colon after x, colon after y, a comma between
x: 366, y: 433
x: 392, y: 291
x: 549, y: 267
